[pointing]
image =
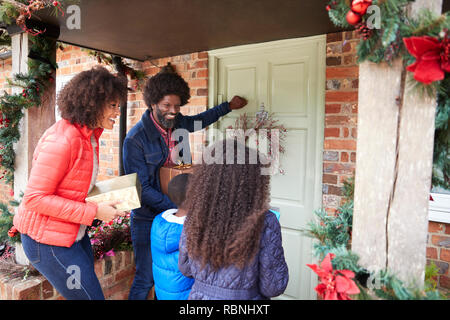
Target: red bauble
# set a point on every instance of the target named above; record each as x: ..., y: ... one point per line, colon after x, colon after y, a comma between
x: 360, y: 6
x: 353, y: 18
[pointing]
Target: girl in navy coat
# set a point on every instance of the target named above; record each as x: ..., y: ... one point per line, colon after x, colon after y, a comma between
x: 231, y: 242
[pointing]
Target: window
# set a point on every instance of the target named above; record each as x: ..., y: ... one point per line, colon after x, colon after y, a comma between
x: 439, y: 205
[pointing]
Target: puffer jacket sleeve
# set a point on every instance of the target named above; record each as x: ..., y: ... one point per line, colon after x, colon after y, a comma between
x: 183, y: 260
x: 49, y: 167
x: 273, y: 270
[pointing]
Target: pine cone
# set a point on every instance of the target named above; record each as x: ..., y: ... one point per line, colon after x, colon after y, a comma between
x: 363, y: 30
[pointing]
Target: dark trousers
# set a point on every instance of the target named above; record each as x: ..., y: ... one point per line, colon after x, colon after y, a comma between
x: 143, y: 279
x: 69, y: 270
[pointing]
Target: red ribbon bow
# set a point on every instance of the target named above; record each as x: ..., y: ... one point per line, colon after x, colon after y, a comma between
x: 432, y: 58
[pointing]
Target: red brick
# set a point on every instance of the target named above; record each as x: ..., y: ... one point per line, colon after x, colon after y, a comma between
x: 342, y: 72
x: 436, y: 240
x: 435, y: 227
x: 344, y: 157
x: 334, y: 190
x: 339, y: 145
x: 432, y: 253
x: 339, y: 168
x: 47, y: 289
x: 203, y: 55
x: 332, y: 108
x: 331, y: 132
x: 333, y: 61
x: 27, y: 291
x: 353, y: 157
x: 341, y: 96
x: 128, y: 272
x: 334, y: 37
x: 445, y: 255
x: 329, y: 178
x: 202, y: 73
x: 115, y: 288
x: 202, y: 92
x: 444, y: 282
x: 106, y: 281
x: 198, y: 83
x: 99, y: 268
x: 336, y: 120
x: 345, y: 132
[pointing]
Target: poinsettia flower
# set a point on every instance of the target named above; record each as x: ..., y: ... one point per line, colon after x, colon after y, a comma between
x: 335, y: 284
x: 431, y: 55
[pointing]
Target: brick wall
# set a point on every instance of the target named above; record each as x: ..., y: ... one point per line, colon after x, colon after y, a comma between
x: 438, y: 251
x: 192, y: 67
x: 341, y: 107
x: 114, y: 273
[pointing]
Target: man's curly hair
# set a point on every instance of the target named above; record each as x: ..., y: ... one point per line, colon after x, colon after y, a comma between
x: 164, y: 83
x: 84, y: 97
x: 226, y: 205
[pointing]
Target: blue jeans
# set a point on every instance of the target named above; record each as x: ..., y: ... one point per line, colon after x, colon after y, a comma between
x: 143, y: 279
x: 69, y: 270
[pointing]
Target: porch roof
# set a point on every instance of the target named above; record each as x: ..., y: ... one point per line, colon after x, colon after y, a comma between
x: 141, y: 29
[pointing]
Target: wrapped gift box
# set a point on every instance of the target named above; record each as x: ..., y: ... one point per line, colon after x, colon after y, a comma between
x: 167, y: 173
x: 125, y: 188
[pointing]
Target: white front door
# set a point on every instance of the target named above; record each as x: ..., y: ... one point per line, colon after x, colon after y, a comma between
x: 288, y: 77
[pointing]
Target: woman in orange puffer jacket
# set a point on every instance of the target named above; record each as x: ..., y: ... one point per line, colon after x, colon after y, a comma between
x: 53, y: 215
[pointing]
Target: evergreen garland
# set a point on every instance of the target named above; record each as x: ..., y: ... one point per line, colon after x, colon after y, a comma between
x: 333, y: 235
x: 12, y: 106
x: 441, y: 155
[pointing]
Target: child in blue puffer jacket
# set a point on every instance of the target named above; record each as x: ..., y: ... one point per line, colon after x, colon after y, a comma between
x: 170, y: 283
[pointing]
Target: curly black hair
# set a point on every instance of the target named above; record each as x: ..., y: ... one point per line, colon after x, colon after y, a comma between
x: 226, y: 205
x: 165, y: 83
x: 83, y: 99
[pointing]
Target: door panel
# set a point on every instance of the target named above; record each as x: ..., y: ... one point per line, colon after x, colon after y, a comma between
x: 288, y: 90
x: 288, y: 78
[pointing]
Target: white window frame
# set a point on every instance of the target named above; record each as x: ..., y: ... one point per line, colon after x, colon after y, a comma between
x: 439, y: 208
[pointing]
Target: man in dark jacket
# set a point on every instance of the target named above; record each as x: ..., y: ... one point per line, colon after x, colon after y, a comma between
x: 147, y: 147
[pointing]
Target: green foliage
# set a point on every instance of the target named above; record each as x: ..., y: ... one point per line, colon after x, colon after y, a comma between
x: 431, y: 272
x: 12, y: 106
x: 332, y: 231
x: 333, y: 235
x: 8, y: 13
x: 6, y: 222
x: 441, y: 152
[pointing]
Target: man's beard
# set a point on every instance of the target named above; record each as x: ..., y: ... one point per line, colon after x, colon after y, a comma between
x: 166, y: 123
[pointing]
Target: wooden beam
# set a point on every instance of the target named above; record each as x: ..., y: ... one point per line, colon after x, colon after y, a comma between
x: 393, y: 171
x: 35, y: 121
